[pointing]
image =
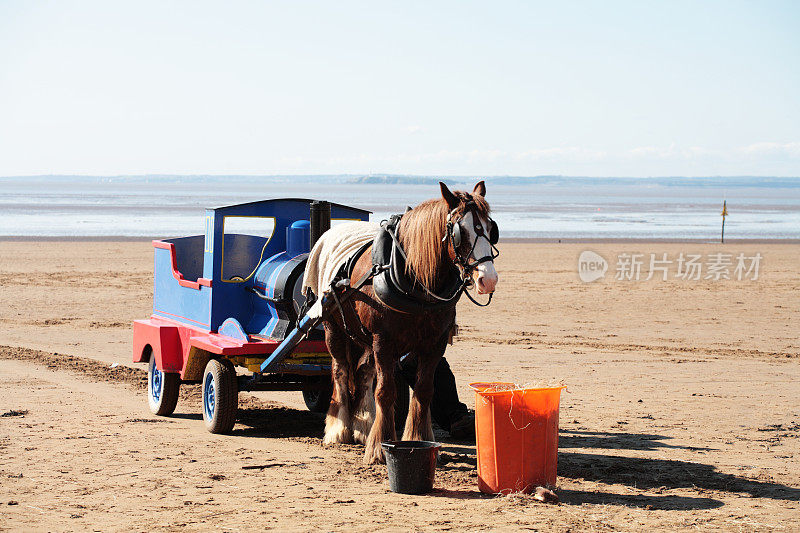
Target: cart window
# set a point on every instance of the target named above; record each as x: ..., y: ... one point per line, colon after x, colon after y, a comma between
x: 243, y: 241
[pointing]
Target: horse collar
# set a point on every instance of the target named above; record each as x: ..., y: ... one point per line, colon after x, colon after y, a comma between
x: 395, y: 288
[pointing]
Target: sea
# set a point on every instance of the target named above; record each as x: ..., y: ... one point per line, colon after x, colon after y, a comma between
x: 541, y: 207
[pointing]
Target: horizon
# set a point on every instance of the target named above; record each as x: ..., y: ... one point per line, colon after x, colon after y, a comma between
x: 362, y: 175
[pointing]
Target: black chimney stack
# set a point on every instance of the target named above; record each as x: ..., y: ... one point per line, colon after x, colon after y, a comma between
x: 320, y: 219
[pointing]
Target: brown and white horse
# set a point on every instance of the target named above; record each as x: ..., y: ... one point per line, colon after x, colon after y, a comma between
x: 357, y: 414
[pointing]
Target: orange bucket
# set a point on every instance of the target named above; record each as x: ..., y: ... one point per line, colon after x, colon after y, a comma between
x: 516, y: 431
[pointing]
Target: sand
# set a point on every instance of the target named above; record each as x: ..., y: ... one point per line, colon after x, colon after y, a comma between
x: 681, y: 410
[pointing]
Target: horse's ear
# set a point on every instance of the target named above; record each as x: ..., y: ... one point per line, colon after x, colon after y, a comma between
x: 480, y: 189
x: 449, y: 197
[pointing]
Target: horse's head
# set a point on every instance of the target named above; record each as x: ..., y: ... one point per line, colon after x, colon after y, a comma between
x: 472, y: 235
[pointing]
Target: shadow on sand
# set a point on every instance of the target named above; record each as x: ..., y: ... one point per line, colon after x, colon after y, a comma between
x: 570, y: 438
x: 642, y: 473
x: 661, y: 503
x: 278, y: 421
x: 576, y: 497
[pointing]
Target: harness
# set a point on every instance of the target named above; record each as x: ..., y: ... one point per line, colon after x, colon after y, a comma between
x: 391, y: 282
x: 392, y: 285
x: 395, y: 288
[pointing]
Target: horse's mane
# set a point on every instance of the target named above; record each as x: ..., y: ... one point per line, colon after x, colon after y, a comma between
x: 422, y: 230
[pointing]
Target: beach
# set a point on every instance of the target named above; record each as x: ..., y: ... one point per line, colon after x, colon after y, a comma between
x: 680, y: 409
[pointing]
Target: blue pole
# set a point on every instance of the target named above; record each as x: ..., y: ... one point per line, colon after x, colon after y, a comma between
x: 291, y: 341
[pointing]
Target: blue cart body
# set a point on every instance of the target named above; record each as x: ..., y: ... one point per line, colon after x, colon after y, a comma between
x: 218, y: 267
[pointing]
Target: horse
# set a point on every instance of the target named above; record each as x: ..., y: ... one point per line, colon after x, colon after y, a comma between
x: 452, y: 230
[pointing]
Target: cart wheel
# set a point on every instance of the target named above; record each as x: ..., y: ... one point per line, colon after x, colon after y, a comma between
x: 220, y: 396
x: 162, y: 389
x: 318, y: 401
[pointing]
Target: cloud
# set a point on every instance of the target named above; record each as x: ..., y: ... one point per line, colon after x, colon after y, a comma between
x: 673, y: 152
x: 650, y: 151
x: 474, y: 157
x: 650, y: 159
x: 570, y: 152
x: 790, y: 149
x: 759, y: 158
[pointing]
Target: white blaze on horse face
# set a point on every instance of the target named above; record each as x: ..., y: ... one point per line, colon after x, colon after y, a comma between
x: 484, y: 276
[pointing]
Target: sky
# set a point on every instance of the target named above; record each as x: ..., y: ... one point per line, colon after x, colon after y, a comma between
x: 604, y: 88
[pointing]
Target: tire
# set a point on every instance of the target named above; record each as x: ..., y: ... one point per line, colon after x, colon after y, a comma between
x: 220, y: 396
x: 162, y: 389
x: 318, y: 401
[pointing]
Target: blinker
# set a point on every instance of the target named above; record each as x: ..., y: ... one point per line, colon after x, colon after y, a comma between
x: 456, y: 235
x: 494, y: 233
x: 493, y: 236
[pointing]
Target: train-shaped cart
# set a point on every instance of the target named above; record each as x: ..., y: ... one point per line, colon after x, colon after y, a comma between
x: 229, y: 298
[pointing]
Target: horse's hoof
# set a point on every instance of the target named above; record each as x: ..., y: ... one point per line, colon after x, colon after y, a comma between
x: 359, y: 437
x: 336, y: 431
x: 342, y: 437
x: 362, y: 425
x: 374, y: 456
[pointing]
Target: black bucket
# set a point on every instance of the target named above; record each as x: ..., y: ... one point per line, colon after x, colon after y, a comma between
x: 411, y: 465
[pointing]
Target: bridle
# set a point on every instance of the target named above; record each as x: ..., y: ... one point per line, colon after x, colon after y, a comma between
x: 453, y: 235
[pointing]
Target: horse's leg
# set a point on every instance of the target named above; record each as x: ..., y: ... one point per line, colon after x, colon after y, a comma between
x: 338, y: 423
x: 418, y: 423
x: 364, y: 399
x: 385, y: 395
